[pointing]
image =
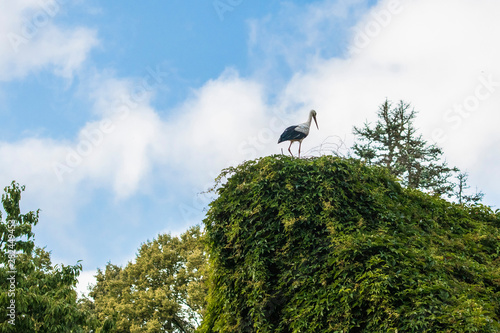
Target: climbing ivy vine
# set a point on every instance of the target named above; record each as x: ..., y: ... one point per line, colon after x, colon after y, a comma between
x: 331, y: 245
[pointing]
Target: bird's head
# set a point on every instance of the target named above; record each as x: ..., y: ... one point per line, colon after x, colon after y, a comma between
x: 313, y: 114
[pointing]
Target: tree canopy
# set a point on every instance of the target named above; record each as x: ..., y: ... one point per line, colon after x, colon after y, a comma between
x: 162, y: 291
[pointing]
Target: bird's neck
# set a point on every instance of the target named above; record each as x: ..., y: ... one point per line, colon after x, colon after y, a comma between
x: 309, y: 120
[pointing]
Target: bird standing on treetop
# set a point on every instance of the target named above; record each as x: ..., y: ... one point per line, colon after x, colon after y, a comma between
x: 298, y: 132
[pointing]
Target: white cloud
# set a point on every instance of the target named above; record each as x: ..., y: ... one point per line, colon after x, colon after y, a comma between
x: 119, y: 149
x: 85, y: 281
x: 31, y: 41
x: 210, y: 130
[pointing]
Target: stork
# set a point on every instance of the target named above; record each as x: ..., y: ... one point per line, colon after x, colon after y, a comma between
x: 298, y: 132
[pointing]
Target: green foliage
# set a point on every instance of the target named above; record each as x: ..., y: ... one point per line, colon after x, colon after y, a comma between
x: 393, y: 143
x: 162, y: 291
x: 331, y: 245
x: 42, y: 296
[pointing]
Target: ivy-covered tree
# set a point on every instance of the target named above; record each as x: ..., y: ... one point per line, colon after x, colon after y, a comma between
x: 36, y: 296
x: 162, y: 291
x: 393, y: 142
x: 330, y: 245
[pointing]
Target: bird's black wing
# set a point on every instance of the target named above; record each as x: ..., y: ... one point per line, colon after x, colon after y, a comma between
x: 291, y: 134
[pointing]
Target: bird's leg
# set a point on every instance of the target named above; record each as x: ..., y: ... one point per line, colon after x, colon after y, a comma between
x: 290, y: 147
x: 300, y: 145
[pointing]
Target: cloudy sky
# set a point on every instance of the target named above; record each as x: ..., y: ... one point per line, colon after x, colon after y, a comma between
x: 118, y: 115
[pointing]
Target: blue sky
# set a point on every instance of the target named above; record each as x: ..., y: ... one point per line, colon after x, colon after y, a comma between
x: 118, y: 115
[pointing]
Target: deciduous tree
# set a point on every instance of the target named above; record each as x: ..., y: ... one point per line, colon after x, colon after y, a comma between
x: 162, y: 291
x: 36, y: 296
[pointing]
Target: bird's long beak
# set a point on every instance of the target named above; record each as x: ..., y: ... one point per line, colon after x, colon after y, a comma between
x: 314, y: 117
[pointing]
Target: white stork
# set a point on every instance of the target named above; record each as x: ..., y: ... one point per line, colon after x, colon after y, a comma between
x: 298, y: 132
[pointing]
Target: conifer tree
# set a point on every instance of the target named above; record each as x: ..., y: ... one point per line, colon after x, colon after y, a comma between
x: 395, y: 144
x: 462, y: 186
